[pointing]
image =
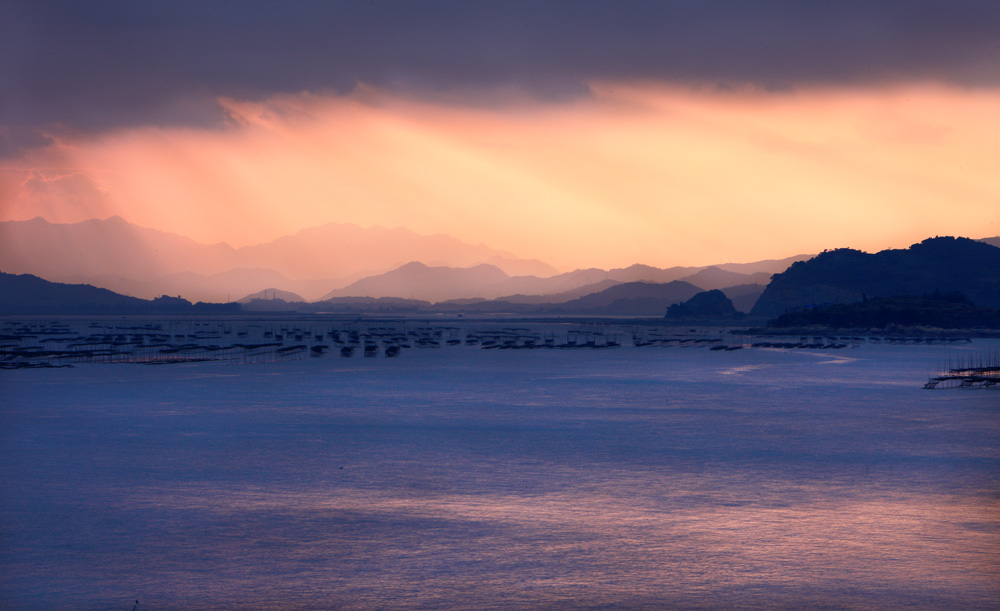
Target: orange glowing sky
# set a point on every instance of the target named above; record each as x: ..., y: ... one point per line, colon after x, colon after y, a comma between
x: 635, y: 172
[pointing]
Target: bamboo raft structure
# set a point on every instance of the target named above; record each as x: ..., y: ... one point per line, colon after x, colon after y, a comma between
x: 65, y: 343
x: 977, y: 371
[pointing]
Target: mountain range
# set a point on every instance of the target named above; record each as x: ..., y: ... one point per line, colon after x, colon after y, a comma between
x: 142, y: 262
x: 318, y: 263
x: 435, y: 284
x: 947, y: 282
x: 640, y: 299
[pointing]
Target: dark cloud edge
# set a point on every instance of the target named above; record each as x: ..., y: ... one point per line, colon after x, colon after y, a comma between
x: 89, y: 67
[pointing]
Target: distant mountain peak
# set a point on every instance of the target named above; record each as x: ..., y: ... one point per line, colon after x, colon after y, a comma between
x: 707, y: 305
x: 417, y: 280
x: 413, y: 265
x: 272, y: 294
x: 122, y: 256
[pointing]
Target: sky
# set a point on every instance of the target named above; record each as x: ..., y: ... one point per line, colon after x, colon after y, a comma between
x: 580, y: 133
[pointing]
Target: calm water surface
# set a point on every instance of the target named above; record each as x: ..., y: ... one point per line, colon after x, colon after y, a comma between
x: 463, y: 479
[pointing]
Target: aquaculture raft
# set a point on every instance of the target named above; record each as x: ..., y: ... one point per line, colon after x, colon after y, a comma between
x: 983, y: 373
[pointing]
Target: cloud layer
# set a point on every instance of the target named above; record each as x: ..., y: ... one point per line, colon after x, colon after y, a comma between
x: 582, y: 133
x: 95, y: 65
x: 630, y: 173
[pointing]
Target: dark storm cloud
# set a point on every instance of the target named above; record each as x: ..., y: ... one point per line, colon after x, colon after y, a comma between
x: 93, y: 65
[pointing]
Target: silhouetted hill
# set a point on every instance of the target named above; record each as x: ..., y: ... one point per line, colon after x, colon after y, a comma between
x: 941, y: 264
x: 991, y: 241
x: 221, y: 287
x: 123, y: 257
x: 625, y: 299
x: 947, y: 311
x: 272, y: 294
x: 632, y: 299
x: 142, y: 262
x: 707, y: 305
x: 559, y: 288
x: 579, y: 282
x: 648, y: 273
x: 26, y: 294
x: 522, y: 267
x: 744, y: 296
x: 339, y: 250
x: 560, y: 283
x: 563, y: 296
x: 418, y: 281
x: 439, y: 284
x: 716, y: 278
x: 767, y: 266
x: 606, y: 297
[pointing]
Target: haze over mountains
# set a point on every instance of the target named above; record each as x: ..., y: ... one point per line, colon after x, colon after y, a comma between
x: 319, y: 262
x: 418, y: 281
x: 943, y: 282
x: 146, y: 263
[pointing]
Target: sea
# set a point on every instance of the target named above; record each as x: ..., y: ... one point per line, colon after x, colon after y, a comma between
x: 456, y: 477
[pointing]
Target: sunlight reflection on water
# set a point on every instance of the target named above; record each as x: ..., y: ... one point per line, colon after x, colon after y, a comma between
x: 476, y: 479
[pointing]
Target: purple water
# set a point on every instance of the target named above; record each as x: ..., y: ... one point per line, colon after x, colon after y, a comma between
x: 461, y: 478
